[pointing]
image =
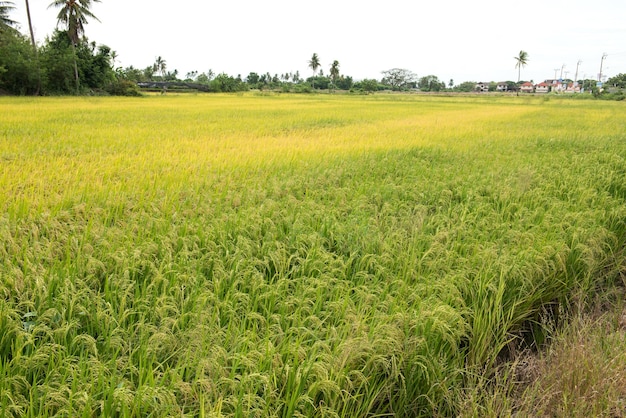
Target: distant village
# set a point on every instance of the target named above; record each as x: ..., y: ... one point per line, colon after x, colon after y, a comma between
x: 547, y: 86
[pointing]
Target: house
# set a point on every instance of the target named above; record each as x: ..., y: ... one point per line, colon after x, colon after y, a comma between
x: 572, y: 88
x: 482, y: 87
x: 542, y: 88
x: 527, y: 87
x: 502, y: 86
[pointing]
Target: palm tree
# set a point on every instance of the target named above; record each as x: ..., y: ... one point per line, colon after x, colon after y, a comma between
x: 5, y: 21
x: 160, y: 65
x: 520, y: 61
x: 334, y: 71
x: 314, y: 64
x: 74, y: 14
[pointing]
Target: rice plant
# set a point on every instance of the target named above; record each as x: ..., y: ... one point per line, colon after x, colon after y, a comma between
x: 292, y: 255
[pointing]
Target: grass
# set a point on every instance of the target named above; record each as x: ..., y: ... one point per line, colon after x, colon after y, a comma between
x: 293, y: 255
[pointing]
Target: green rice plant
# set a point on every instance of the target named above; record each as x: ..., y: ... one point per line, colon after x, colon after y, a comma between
x: 293, y: 256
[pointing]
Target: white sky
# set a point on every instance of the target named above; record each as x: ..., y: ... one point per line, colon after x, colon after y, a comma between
x: 452, y: 39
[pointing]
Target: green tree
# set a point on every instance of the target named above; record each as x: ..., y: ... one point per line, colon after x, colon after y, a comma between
x: 225, y: 83
x: 73, y: 14
x: 160, y: 65
x: 314, y: 64
x: 521, y: 61
x: 252, y: 79
x: 334, y: 72
x: 18, y: 74
x: 431, y: 83
x: 58, y: 57
x: 344, y: 82
x: 398, y: 78
x: 368, y: 85
x: 617, y: 81
x: 466, y: 86
x: 5, y: 21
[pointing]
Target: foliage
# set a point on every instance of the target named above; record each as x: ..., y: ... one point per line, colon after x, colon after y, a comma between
x: 314, y: 64
x: 466, y: 86
x: 6, y: 23
x: 344, y: 82
x: 319, y: 82
x: 18, y: 72
x: 334, y: 73
x: 368, y: 85
x: 399, y: 79
x: 617, y: 81
x: 223, y: 83
x: 431, y: 83
x: 521, y: 61
x: 74, y: 15
x: 123, y: 87
x: 57, y: 59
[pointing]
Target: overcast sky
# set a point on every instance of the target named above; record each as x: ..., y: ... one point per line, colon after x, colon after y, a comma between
x: 453, y: 39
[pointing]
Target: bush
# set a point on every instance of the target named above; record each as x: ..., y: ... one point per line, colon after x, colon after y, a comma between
x: 303, y: 88
x: 123, y: 88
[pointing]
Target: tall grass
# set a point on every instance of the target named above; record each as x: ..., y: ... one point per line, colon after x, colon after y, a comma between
x: 288, y: 255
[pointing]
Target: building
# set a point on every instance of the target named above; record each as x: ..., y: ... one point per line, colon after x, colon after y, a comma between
x: 527, y: 87
x: 482, y: 87
x: 542, y: 88
x: 502, y: 86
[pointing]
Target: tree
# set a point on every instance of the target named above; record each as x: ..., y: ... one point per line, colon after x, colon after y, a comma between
x: 314, y: 64
x: 368, y: 85
x: 160, y: 65
x: 617, y: 81
x: 18, y: 74
x: 334, y: 72
x: 57, y: 59
x: 466, y: 86
x: 431, y: 83
x: 5, y: 21
x: 344, y: 82
x: 399, y: 78
x: 520, y: 61
x: 74, y: 14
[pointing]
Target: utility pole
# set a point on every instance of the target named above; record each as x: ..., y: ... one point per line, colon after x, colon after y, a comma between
x: 601, y: 62
x: 562, y: 67
x: 576, y: 76
x: 555, y: 71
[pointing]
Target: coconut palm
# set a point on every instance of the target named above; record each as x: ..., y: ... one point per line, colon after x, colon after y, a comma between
x: 5, y: 21
x: 160, y: 65
x: 334, y: 71
x: 520, y: 61
x: 73, y: 14
x: 314, y: 64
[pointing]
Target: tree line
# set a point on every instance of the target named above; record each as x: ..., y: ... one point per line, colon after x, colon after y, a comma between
x: 68, y: 63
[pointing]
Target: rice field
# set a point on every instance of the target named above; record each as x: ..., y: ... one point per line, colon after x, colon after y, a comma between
x: 283, y: 255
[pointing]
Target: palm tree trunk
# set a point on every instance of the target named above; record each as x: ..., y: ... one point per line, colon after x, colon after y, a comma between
x: 76, y: 69
x: 30, y: 26
x: 32, y: 38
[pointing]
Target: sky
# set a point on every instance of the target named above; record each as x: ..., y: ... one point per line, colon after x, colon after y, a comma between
x: 457, y: 40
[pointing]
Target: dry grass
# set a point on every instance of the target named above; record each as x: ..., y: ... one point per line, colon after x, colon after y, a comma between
x: 579, y: 372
